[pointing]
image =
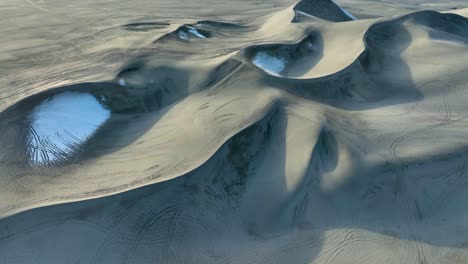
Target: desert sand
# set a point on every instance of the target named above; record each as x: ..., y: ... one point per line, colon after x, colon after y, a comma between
x: 234, y: 132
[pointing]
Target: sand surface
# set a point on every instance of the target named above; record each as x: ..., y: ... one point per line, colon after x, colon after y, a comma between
x: 234, y: 132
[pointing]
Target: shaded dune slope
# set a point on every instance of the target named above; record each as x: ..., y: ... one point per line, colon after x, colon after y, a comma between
x: 323, y: 9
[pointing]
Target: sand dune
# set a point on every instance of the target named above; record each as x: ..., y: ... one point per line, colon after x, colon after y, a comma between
x: 216, y: 132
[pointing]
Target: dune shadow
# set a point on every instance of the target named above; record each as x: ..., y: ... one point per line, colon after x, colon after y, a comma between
x: 82, y: 121
x: 365, y: 84
x: 201, y: 30
x: 287, y: 60
x: 144, y: 26
x: 194, y: 212
x: 379, y: 77
x: 240, y: 196
x: 323, y: 9
x: 402, y: 200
